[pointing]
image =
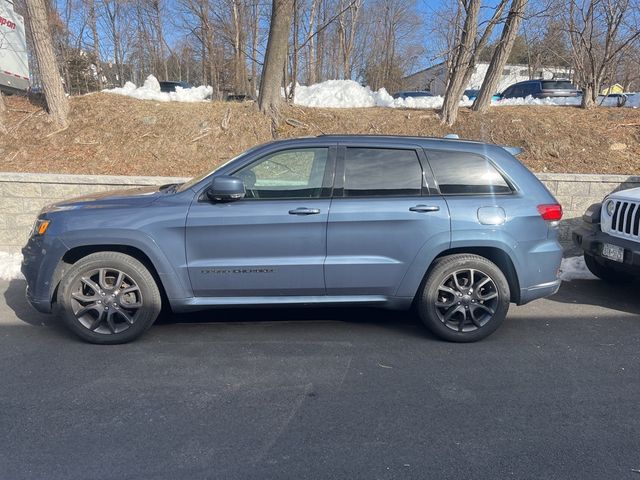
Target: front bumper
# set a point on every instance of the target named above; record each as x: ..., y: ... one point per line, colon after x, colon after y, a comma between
x: 40, y: 259
x: 590, y: 239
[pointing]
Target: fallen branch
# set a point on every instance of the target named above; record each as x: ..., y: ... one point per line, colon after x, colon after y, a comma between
x: 14, y: 129
x: 225, y: 120
x: 295, y: 123
x: 56, y: 132
x: 193, y: 140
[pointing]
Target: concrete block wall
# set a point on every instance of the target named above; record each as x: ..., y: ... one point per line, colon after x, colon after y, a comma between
x: 22, y: 195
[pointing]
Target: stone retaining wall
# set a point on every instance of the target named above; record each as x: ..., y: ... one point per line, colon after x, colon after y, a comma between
x: 22, y: 195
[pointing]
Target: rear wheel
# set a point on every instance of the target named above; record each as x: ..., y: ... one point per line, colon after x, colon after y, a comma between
x: 602, y: 271
x: 108, y: 298
x: 464, y: 298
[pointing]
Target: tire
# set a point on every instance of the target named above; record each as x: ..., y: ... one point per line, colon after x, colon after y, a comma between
x: 108, y: 298
x: 603, y: 272
x: 456, y: 311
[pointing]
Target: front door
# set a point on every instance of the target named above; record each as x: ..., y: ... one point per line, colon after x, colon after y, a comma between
x: 272, y: 242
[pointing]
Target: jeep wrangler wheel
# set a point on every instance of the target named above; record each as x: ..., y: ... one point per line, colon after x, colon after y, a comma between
x: 108, y: 298
x: 603, y: 272
x: 464, y: 298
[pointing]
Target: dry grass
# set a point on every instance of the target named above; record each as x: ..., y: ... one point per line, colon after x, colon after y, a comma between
x: 123, y: 136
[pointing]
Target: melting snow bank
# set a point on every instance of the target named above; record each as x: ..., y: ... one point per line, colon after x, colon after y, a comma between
x: 151, y: 91
x: 574, y: 268
x: 350, y: 94
x: 10, y: 265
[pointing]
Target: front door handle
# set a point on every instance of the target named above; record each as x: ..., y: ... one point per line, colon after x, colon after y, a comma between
x: 424, y: 208
x: 304, y: 211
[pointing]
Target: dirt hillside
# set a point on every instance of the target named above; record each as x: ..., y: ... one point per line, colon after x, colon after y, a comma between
x: 111, y: 134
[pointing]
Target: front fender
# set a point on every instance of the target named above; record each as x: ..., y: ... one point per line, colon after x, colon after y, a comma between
x: 173, y: 274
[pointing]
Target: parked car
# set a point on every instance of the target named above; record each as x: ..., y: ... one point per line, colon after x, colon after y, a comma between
x: 610, y: 237
x: 171, y: 86
x: 405, y: 95
x: 457, y: 228
x: 472, y: 94
x: 540, y: 89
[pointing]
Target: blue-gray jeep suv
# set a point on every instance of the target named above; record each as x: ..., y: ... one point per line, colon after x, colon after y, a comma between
x: 459, y: 229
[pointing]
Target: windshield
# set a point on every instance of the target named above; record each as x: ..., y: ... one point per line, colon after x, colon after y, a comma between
x: 199, y: 178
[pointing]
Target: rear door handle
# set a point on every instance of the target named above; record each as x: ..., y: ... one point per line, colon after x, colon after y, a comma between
x: 424, y: 208
x: 304, y: 211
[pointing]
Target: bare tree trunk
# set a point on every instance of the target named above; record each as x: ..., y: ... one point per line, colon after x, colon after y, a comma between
x: 500, y: 56
x: 155, y: 4
x: 57, y: 102
x: 3, y: 117
x: 311, y: 55
x: 254, y: 47
x: 241, y: 83
x: 588, y: 100
x: 93, y: 23
x: 462, y: 57
x: 275, y: 58
x: 294, y: 53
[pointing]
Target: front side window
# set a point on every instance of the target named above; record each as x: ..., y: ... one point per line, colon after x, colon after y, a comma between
x: 461, y: 173
x: 297, y: 173
x: 382, y: 171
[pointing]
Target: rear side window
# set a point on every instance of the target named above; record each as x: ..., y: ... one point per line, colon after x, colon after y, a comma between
x: 382, y: 171
x: 557, y: 85
x: 461, y: 173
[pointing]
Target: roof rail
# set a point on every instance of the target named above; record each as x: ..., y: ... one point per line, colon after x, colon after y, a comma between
x: 513, y: 150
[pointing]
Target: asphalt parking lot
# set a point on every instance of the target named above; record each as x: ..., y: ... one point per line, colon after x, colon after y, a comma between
x: 344, y: 394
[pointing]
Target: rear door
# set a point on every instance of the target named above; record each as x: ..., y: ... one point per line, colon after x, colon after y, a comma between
x: 272, y: 242
x: 381, y: 216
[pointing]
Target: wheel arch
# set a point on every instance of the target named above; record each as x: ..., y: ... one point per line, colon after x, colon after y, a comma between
x: 76, y: 253
x: 494, y: 254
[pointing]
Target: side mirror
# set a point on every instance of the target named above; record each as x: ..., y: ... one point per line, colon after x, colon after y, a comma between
x: 225, y: 188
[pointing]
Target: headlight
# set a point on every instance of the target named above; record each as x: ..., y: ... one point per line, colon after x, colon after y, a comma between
x: 40, y: 227
x: 610, y: 207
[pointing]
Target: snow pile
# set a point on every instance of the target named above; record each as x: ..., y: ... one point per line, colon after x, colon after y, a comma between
x: 574, y: 268
x: 350, y: 94
x: 341, y: 94
x: 10, y: 265
x: 151, y: 91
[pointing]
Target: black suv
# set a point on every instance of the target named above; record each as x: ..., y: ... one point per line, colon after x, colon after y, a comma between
x: 541, y: 89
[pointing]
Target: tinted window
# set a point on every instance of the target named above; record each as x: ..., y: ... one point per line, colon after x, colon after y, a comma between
x: 382, y: 171
x: 288, y: 174
x: 460, y: 173
x: 557, y: 85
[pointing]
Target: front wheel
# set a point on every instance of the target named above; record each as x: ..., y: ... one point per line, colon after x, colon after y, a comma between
x: 464, y: 298
x: 108, y: 298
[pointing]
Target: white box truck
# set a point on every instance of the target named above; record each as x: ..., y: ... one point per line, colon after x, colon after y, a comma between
x: 14, y: 61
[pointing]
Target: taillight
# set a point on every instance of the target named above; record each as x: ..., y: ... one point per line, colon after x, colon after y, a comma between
x: 550, y: 212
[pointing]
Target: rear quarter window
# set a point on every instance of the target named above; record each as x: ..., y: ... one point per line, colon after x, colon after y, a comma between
x: 462, y: 173
x: 557, y: 85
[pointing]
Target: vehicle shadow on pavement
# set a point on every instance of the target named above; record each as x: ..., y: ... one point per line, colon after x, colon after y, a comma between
x: 402, y: 322
x: 15, y: 299
x: 622, y: 297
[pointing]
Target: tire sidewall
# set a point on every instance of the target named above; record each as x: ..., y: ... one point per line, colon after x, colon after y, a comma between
x: 131, y: 267
x: 440, y: 271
